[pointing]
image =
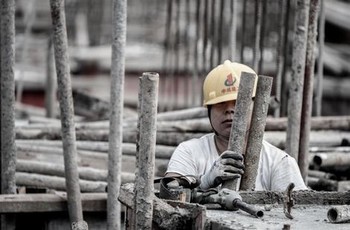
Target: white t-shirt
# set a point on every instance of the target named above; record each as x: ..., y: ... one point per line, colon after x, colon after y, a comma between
x: 276, y: 168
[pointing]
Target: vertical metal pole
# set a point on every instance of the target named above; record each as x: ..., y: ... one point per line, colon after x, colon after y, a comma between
x: 298, y: 72
x: 51, y: 82
x: 319, y: 84
x: 244, y: 24
x: 196, y: 62
x: 8, y: 145
x: 305, y: 125
x: 187, y: 46
x: 144, y: 181
x: 175, y: 84
x: 30, y: 18
x: 205, y: 34
x: 258, y: 21
x: 240, y: 120
x: 116, y: 115
x: 233, y: 29
x: 213, y: 34
x: 286, y: 66
x: 220, y: 31
x: 264, y: 13
x: 67, y: 114
x: 256, y: 132
x: 280, y: 54
x: 165, y: 83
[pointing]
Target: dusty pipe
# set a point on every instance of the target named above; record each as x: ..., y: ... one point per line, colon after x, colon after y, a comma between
x: 339, y: 214
x: 116, y: 113
x: 240, y: 121
x: 297, y: 78
x: 51, y: 83
x: 333, y: 159
x: 147, y: 135
x: 8, y: 147
x: 256, y: 132
x: 306, y: 111
x: 67, y: 114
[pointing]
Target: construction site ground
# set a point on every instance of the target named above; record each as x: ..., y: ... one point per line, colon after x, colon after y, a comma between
x: 305, y: 217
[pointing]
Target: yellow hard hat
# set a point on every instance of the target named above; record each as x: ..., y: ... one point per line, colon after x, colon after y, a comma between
x: 221, y: 84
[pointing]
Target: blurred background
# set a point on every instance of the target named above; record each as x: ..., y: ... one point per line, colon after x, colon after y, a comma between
x: 181, y: 40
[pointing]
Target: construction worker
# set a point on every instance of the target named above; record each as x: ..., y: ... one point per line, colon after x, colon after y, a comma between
x: 207, y: 161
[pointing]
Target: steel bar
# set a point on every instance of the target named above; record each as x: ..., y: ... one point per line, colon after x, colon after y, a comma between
x: 297, y: 78
x: 187, y: 48
x: 256, y: 132
x: 240, y: 121
x: 280, y: 55
x: 196, y: 56
x: 320, y: 64
x: 286, y: 54
x: 306, y: 111
x: 57, y: 183
x: 144, y: 180
x: 264, y: 12
x: 220, y: 31
x: 205, y: 34
x: 177, y: 47
x: 257, y: 35
x: 67, y: 114
x: 116, y: 113
x: 244, y: 27
x: 51, y: 82
x: 213, y: 33
x: 233, y: 31
x: 8, y: 146
x: 167, y: 54
x: 29, y: 18
x: 333, y: 159
x: 339, y: 214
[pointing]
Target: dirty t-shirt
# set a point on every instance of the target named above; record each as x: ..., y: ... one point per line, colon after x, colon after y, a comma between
x: 276, y: 168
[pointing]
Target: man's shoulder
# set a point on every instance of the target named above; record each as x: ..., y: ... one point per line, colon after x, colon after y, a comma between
x: 270, y: 149
x: 198, y: 141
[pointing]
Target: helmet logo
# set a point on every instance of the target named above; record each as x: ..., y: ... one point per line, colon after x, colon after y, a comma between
x: 229, y: 80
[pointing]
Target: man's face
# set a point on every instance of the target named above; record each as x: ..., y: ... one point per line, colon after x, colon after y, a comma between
x: 221, y: 116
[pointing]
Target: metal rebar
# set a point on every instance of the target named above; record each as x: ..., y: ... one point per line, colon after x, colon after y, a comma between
x: 233, y: 30
x: 8, y: 146
x: 220, y: 31
x: 144, y: 181
x: 256, y: 132
x: 116, y: 113
x: 51, y: 82
x: 196, y: 55
x: 212, y: 33
x: 306, y: 111
x: 264, y: 13
x: 319, y: 84
x: 244, y: 24
x: 297, y: 78
x: 67, y: 114
x: 257, y: 35
x: 280, y: 54
x: 240, y: 120
x: 286, y: 54
x: 7, y: 108
x: 339, y: 214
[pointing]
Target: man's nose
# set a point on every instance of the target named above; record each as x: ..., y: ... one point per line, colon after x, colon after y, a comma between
x: 230, y: 108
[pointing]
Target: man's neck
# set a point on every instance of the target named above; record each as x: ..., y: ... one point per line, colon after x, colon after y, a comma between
x: 221, y: 143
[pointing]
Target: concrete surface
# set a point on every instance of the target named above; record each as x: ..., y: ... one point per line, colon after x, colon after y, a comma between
x: 305, y: 217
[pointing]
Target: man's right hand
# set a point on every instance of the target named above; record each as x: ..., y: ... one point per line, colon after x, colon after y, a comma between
x: 228, y: 166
